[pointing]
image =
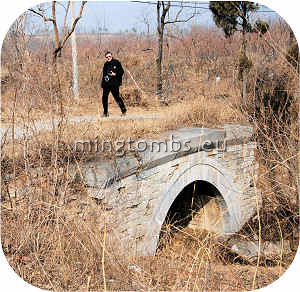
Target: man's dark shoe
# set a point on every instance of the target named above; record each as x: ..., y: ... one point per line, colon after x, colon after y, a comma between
x: 123, y: 114
x: 105, y: 116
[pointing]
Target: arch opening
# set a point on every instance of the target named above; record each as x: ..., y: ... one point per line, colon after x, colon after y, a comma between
x: 199, y: 206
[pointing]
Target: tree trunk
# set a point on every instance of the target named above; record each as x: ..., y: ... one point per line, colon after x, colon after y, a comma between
x: 244, y: 58
x: 160, y: 30
x: 244, y: 90
x: 158, y: 66
x: 74, y: 57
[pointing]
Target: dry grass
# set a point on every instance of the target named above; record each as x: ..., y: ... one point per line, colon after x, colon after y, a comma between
x: 56, y: 237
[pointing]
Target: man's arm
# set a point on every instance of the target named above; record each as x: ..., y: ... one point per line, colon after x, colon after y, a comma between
x: 119, y: 71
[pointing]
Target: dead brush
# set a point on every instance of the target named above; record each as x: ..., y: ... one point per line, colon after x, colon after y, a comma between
x: 133, y: 97
x: 274, y: 112
x: 56, y: 238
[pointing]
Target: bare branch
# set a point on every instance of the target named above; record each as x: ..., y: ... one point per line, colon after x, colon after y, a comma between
x: 55, y: 25
x: 164, y: 13
x: 63, y: 6
x: 66, y: 33
x: 66, y: 15
x: 165, y: 9
x: 180, y: 20
x: 178, y: 15
x: 41, y: 15
x: 179, y: 12
x: 158, y: 17
x: 74, y: 24
x: 161, y: 23
x: 241, y: 14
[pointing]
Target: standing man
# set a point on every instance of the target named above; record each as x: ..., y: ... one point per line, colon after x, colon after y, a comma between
x: 111, y: 81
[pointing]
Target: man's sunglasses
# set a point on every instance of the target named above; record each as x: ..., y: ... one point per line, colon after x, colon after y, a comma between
x: 107, y: 57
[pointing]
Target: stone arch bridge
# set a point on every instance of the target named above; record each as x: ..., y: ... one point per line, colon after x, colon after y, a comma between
x: 210, y: 182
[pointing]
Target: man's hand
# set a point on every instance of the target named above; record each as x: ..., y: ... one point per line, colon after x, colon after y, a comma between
x: 112, y: 73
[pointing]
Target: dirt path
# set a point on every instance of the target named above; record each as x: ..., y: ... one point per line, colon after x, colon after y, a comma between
x: 39, y: 126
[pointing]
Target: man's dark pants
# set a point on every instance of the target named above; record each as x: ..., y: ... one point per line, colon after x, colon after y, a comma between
x: 116, y: 95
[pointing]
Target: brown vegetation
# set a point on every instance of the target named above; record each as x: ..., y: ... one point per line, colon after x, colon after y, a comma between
x: 50, y: 228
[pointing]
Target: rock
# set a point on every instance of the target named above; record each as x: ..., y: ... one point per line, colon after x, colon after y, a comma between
x: 251, y: 250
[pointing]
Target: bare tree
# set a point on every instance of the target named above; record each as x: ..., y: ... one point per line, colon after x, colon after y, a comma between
x: 163, y: 8
x: 146, y: 20
x: 59, y: 42
x: 66, y: 17
x: 15, y: 46
x: 74, y: 57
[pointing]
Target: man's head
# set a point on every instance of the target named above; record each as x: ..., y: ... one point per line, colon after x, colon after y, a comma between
x: 108, y: 56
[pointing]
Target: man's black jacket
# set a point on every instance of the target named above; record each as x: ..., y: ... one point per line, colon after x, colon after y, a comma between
x: 112, y: 81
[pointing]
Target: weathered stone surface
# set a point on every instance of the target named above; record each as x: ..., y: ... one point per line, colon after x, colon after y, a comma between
x: 252, y: 250
x: 140, y: 190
